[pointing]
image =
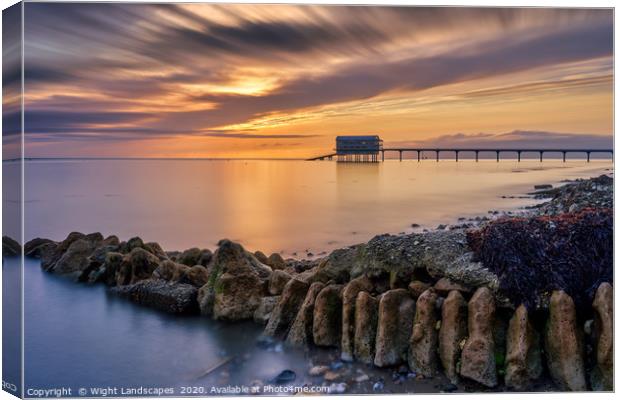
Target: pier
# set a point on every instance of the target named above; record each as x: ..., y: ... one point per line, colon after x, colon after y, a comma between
x: 372, y: 154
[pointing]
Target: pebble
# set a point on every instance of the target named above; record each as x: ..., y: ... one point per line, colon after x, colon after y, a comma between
x: 338, y: 388
x: 362, y: 378
x: 336, y: 365
x: 285, y: 376
x: 318, y: 370
x: 331, y: 375
x: 378, y: 386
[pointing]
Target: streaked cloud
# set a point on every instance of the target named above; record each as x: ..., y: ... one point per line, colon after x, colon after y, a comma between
x: 220, y: 74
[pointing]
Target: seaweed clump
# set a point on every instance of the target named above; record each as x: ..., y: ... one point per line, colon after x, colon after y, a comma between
x: 534, y: 256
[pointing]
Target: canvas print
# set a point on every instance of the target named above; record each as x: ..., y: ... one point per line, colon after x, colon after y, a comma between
x: 284, y: 199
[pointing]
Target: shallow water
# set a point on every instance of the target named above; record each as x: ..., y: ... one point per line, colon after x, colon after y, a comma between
x: 292, y: 207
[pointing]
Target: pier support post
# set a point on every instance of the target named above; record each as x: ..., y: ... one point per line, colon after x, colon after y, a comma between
x: 588, y: 153
x: 477, y: 155
x: 541, y: 155
x: 497, y: 155
x: 400, y: 155
x: 418, y: 155
x: 563, y: 156
x: 519, y: 156
x: 457, y: 155
x: 437, y: 155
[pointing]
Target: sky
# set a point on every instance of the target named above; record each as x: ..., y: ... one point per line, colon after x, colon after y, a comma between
x: 246, y: 81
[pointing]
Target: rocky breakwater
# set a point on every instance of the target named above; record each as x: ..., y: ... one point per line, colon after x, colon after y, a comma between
x: 510, y: 304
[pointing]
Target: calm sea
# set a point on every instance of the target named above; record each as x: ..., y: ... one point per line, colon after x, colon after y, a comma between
x: 273, y: 206
x: 79, y: 336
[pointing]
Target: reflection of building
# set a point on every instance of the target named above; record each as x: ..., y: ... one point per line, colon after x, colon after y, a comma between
x: 358, y: 148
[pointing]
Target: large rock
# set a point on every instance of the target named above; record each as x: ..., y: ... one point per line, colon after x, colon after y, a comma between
x: 107, y: 272
x: 287, y: 308
x: 602, y: 377
x: 478, y: 356
x: 237, y: 296
x: 349, y: 298
x: 137, y: 265
x: 196, y: 276
x: 74, y: 262
x: 10, y: 247
x: 174, y: 298
x: 452, y: 332
x: 155, y: 249
x: 36, y: 246
x: 237, y: 282
x: 366, y: 318
x: 416, y: 288
x: 277, y: 281
x: 423, y: 343
x: 523, y: 353
x: 564, y: 344
x: 76, y: 259
x: 444, y: 286
x: 440, y: 253
x: 300, y: 333
x: 170, y: 271
x: 190, y: 257
x: 264, y: 309
x: 396, y: 312
x: 327, y: 321
x: 275, y: 261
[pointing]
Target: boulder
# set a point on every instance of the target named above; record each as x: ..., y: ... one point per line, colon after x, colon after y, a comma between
x: 236, y: 284
x: 206, y: 298
x: 10, y: 247
x: 300, y: 333
x: 174, y: 298
x: 264, y: 309
x: 50, y: 257
x: 438, y: 253
x: 196, y: 276
x: 76, y: 259
x: 444, y: 286
x: 237, y: 296
x: 602, y: 377
x: 366, y: 317
x: 287, y: 308
x: 205, y: 257
x: 190, y: 257
x: 277, y: 281
x: 452, y: 332
x: 327, y: 321
x: 416, y: 288
x: 155, y: 249
x: 170, y: 271
x: 478, y: 356
x: 423, y: 342
x: 35, y: 247
x: 133, y: 243
x: 276, y: 261
x: 106, y: 273
x: 260, y: 256
x: 523, y: 353
x: 396, y: 312
x: 137, y: 265
x: 349, y: 298
x: 564, y: 344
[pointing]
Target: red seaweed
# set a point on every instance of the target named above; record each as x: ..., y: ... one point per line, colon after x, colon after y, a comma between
x: 536, y: 255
